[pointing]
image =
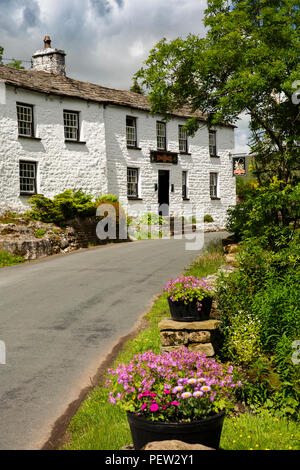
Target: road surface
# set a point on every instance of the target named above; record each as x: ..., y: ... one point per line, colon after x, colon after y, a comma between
x: 60, y: 316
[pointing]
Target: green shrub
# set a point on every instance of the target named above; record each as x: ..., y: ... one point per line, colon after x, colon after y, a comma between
x: 244, y: 339
x: 270, y: 214
x: 75, y: 203
x: 107, y: 198
x: 245, y: 187
x: 152, y: 219
x: 208, y: 218
x: 63, y: 207
x: 259, y: 305
x: 277, y: 306
x: 7, y: 259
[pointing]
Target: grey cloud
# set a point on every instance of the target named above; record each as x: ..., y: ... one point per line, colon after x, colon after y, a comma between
x: 103, y: 7
x: 10, y: 8
x: 99, y: 35
x: 30, y: 16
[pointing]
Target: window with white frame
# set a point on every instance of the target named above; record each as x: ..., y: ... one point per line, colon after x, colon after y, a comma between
x: 213, y: 185
x: 25, y: 120
x: 132, y: 182
x: 213, y: 143
x: 71, y: 125
x: 184, y: 185
x: 27, y: 177
x: 131, y: 131
x: 182, y: 138
x: 161, y: 135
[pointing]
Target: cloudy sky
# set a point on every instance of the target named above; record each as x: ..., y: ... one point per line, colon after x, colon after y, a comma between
x: 106, y: 41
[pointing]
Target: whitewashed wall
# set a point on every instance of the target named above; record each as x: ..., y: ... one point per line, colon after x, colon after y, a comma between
x: 100, y: 165
x: 60, y: 165
x: 199, y: 164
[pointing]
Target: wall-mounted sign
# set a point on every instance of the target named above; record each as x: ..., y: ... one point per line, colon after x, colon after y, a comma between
x: 239, y: 166
x: 162, y: 156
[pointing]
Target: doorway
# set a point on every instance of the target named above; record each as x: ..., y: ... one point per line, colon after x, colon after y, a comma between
x: 163, y: 192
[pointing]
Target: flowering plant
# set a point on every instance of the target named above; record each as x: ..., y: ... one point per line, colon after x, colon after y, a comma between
x: 188, y: 289
x: 176, y: 386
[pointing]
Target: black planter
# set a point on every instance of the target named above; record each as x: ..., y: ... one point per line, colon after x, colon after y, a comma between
x: 206, y: 432
x: 189, y: 312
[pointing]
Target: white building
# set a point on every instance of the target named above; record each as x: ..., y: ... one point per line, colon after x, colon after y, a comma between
x: 58, y: 133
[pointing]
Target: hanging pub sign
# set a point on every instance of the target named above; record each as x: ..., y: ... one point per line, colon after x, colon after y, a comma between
x: 239, y: 166
x: 163, y: 156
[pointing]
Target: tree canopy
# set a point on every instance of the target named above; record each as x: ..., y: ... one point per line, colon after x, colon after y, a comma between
x: 248, y: 62
x: 17, y: 64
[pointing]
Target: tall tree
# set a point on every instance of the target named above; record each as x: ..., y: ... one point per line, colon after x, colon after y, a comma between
x: 248, y: 62
x: 17, y: 64
x: 136, y: 88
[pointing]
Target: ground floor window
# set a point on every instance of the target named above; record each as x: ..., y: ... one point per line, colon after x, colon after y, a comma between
x: 132, y: 182
x: 184, y: 185
x: 27, y: 178
x: 213, y: 185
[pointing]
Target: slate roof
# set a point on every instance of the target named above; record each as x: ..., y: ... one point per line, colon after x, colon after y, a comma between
x: 59, y: 85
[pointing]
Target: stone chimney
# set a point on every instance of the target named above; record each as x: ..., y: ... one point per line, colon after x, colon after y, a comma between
x: 49, y: 59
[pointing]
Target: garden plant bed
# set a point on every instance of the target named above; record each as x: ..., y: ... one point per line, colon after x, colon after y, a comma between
x: 245, y: 428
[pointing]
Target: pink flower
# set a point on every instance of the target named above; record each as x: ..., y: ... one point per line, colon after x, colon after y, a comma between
x: 175, y: 403
x: 154, y: 407
x: 144, y: 405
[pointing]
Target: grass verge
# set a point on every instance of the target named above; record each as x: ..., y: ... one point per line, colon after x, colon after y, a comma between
x: 98, y: 425
x: 6, y: 259
x: 261, y: 431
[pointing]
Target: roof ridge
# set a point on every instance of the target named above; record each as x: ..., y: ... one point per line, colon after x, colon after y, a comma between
x: 60, y: 85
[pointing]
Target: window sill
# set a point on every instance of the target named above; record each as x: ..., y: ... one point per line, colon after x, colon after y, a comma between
x: 215, y: 198
x: 134, y: 198
x: 133, y: 147
x: 214, y: 156
x: 185, y: 153
x: 74, y: 142
x: 27, y: 194
x: 185, y: 198
x: 29, y: 137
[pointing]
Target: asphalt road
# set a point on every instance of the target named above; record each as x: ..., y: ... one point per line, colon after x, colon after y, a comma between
x: 59, y: 317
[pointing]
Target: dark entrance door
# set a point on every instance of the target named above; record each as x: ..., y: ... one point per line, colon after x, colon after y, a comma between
x: 163, y: 191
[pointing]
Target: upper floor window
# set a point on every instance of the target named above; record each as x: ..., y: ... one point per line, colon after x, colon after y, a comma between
x: 25, y: 120
x: 71, y: 125
x: 27, y: 178
x: 182, y: 138
x: 213, y: 185
x: 131, y: 131
x: 161, y: 135
x: 213, y: 143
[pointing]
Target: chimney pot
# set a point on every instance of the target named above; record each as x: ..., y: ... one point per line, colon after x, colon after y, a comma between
x: 47, y: 42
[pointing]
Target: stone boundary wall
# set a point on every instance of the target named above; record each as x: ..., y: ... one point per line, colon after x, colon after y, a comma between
x: 33, y: 239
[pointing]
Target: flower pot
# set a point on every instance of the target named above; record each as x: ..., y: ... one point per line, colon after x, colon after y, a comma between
x: 189, y: 312
x: 206, y: 432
